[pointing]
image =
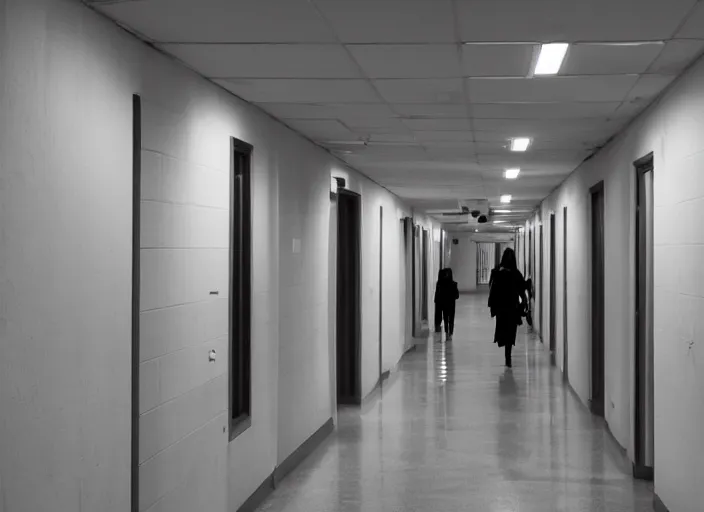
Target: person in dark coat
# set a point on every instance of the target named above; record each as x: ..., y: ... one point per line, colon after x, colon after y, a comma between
x: 507, y: 301
x: 446, y: 293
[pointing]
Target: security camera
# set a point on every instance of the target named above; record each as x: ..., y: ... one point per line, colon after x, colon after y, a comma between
x: 476, y: 213
x: 482, y: 219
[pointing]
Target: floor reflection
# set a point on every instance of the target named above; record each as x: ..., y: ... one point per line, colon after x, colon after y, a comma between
x: 453, y: 431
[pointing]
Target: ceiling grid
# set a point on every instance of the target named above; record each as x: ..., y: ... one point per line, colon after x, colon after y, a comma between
x: 423, y: 96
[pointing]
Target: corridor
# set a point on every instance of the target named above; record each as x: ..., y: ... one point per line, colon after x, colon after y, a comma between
x: 454, y: 431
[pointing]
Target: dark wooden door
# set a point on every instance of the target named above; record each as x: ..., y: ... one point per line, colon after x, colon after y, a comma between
x: 598, y: 349
x: 349, y: 375
x: 565, y: 341
x: 644, y: 356
x: 553, y: 290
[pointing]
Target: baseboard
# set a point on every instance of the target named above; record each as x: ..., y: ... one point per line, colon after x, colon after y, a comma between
x: 643, y: 472
x: 302, y: 452
x: 625, y: 461
x: 258, y: 497
x: 658, y: 505
x: 291, y: 462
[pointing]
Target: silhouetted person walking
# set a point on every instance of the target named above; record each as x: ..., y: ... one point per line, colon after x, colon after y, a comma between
x: 446, y: 293
x: 507, y: 300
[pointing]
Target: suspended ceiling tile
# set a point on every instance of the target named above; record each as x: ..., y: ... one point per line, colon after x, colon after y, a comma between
x: 541, y: 125
x: 390, y: 21
x: 570, y: 20
x: 497, y: 59
x: 448, y: 124
x: 610, y: 59
x: 223, y: 21
x: 446, y: 136
x: 408, y: 61
x: 266, y: 60
x: 327, y: 110
x: 301, y: 91
x: 391, y: 137
x: 431, y: 90
x: 554, y: 89
x: 693, y: 28
x: 385, y: 123
x: 568, y: 139
x: 322, y: 129
x: 431, y: 110
x: 676, y: 56
x: 543, y: 110
x: 648, y: 87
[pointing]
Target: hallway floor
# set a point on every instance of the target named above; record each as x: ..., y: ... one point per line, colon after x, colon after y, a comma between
x: 454, y: 431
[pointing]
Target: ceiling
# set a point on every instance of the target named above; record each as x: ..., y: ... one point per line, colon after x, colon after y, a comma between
x: 423, y: 95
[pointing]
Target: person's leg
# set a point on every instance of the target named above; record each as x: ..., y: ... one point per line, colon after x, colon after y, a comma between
x: 438, y: 318
x: 451, y: 318
x: 446, y: 321
x: 509, y: 348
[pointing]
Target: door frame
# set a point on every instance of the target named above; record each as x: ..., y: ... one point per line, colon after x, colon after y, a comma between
x: 598, y: 349
x: 640, y: 469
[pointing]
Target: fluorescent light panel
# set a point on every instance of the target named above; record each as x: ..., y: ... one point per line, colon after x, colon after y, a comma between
x: 520, y: 144
x: 503, y: 211
x: 512, y: 174
x: 506, y: 199
x: 551, y: 58
x: 499, y: 222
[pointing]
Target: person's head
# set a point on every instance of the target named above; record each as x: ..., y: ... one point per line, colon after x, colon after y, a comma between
x: 509, y: 260
x: 441, y: 274
x: 448, y: 274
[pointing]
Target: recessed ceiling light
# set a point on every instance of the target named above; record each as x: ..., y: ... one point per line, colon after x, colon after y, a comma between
x: 520, y: 144
x: 550, y: 59
x: 512, y: 174
x: 506, y: 199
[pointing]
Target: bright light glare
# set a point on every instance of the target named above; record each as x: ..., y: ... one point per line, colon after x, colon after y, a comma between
x: 499, y: 222
x: 512, y: 174
x: 520, y: 144
x: 550, y: 59
x: 503, y: 211
x: 506, y: 199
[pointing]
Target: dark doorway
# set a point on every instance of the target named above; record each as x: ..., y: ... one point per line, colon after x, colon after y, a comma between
x: 381, y: 290
x: 565, y: 344
x: 415, y: 269
x: 530, y: 252
x: 442, y: 249
x: 408, y: 291
x: 240, y: 288
x: 598, y: 352
x: 553, y: 290
x: 136, y: 289
x: 541, y: 295
x: 424, y: 276
x: 644, y: 385
x: 349, y: 375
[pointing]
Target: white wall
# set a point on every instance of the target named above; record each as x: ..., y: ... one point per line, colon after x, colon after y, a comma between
x: 65, y: 259
x: 672, y: 129
x: 65, y: 275
x: 464, y: 262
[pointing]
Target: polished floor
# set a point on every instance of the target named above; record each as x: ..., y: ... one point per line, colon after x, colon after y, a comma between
x: 454, y: 431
